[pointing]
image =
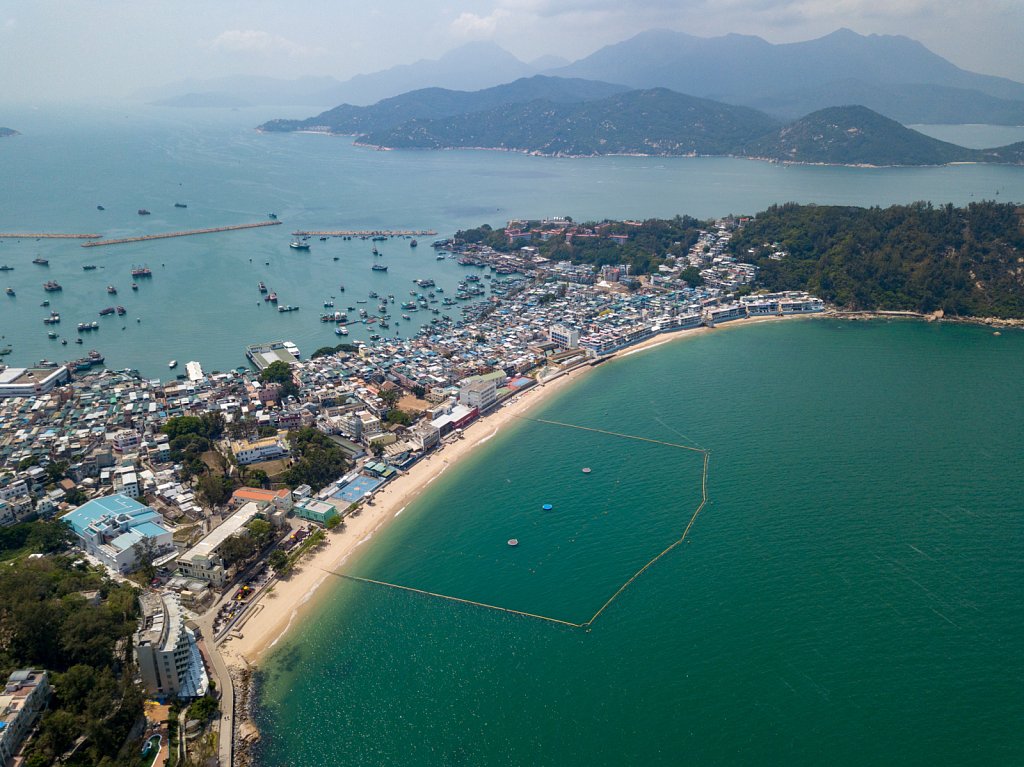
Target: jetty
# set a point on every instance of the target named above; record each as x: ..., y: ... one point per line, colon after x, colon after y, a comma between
x: 42, y: 236
x: 188, y: 233
x: 368, y: 233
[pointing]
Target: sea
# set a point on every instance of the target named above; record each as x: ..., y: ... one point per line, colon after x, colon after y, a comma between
x: 849, y: 593
x: 202, y: 301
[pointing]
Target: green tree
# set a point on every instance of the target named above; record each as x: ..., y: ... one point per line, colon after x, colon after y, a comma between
x: 261, y: 530
x: 278, y: 560
x: 390, y: 396
x: 396, y: 416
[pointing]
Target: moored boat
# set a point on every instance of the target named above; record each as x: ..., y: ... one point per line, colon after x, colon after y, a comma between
x: 41, y: 261
x: 379, y: 268
x: 298, y: 245
x: 51, y: 286
x: 106, y: 310
x: 172, y: 364
x: 143, y: 212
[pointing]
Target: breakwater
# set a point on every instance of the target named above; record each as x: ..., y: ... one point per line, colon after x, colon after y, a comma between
x: 187, y: 233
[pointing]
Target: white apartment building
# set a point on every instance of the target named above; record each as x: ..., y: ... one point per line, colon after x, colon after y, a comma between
x: 169, y: 660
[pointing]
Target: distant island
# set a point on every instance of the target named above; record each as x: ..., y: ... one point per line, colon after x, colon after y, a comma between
x: 582, y: 118
x: 8, y: 132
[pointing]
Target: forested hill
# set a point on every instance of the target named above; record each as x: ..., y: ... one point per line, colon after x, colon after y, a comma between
x: 856, y: 135
x: 965, y: 261
x: 649, y: 122
x: 437, y: 103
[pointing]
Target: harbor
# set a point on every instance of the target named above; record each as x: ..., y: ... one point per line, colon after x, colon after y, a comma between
x: 167, y: 235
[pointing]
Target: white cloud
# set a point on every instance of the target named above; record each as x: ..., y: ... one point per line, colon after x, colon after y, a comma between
x: 259, y: 42
x: 472, y: 25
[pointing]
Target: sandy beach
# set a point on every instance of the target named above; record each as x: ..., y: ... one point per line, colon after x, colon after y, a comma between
x: 291, y: 599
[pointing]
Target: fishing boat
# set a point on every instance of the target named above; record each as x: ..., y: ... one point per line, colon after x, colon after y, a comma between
x: 287, y: 308
x: 53, y: 319
x: 379, y: 268
x: 140, y: 271
x: 272, y: 298
x: 51, y: 286
x: 298, y: 245
x: 120, y: 311
x: 106, y: 310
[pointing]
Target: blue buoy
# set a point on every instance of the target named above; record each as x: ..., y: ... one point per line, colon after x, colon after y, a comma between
x: 547, y: 507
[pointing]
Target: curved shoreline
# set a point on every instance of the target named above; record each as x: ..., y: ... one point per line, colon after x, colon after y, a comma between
x: 290, y: 601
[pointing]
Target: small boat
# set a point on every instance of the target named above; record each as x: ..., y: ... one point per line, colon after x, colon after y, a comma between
x: 9, y: 291
x: 51, y: 334
x: 120, y: 311
x: 45, y: 303
x: 413, y: 244
x: 172, y: 364
x: 63, y: 342
x: 180, y: 205
x: 287, y: 308
x: 328, y: 304
x: 143, y: 212
x: 140, y: 271
x: 41, y: 261
x: 323, y: 239
x: 106, y: 310
x: 586, y: 469
x: 135, y: 286
x: 379, y: 268
x: 272, y: 298
x: 100, y: 207
x: 79, y: 341
x: 335, y: 259
x: 88, y: 267
x: 298, y: 245
x: 112, y: 290
x: 341, y: 330
x: 53, y: 319
x: 272, y: 216
x: 52, y: 286
x: 6, y: 268
x: 262, y: 287
x: 513, y: 542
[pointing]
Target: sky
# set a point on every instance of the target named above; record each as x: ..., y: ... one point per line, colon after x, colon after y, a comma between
x: 54, y: 50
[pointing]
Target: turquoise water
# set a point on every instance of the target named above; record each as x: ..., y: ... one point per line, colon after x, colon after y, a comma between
x: 850, y: 594
x: 202, y: 302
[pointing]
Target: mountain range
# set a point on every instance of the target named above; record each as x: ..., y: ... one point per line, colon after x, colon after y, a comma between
x: 893, y: 75
x: 573, y: 117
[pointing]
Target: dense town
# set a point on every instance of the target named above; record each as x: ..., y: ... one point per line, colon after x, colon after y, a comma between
x: 204, y: 489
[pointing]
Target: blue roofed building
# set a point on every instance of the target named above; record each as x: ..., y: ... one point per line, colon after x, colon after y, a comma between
x: 117, y: 529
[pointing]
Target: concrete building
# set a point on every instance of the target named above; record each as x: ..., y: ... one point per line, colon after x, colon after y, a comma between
x: 169, y: 660
x: 315, y: 511
x: 481, y: 394
x: 126, y: 441
x: 31, y: 382
x: 23, y: 699
x: 203, y: 561
x: 425, y: 435
x: 564, y: 336
x: 253, y: 451
x: 116, y: 530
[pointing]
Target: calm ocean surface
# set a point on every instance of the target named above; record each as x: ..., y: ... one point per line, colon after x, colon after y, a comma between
x: 849, y: 596
x: 202, y: 302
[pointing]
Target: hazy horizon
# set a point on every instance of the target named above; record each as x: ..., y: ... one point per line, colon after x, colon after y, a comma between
x: 71, y: 50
